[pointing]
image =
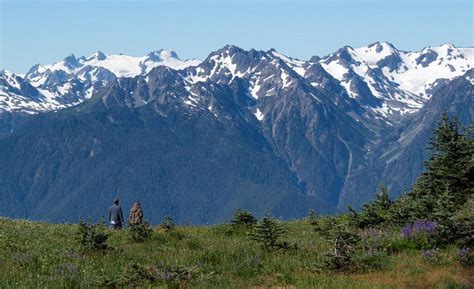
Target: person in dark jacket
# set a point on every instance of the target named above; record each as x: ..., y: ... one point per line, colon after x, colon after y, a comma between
x: 116, y: 215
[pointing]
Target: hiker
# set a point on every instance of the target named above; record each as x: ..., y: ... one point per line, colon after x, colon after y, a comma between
x: 116, y: 215
x: 136, y: 214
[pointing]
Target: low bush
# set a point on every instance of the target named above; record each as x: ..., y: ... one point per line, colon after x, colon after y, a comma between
x: 140, y: 232
x: 432, y: 256
x: 463, y: 223
x: 344, y: 247
x: 268, y: 233
x: 173, y: 276
x: 422, y: 234
x: 466, y: 257
x: 91, y: 237
x: 243, y: 219
x: 168, y: 225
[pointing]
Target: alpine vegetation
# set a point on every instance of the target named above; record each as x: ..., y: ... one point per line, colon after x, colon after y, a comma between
x: 421, y: 240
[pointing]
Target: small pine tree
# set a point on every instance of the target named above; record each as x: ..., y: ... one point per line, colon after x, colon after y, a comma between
x: 383, y: 200
x: 312, y: 219
x: 267, y: 233
x: 140, y: 232
x: 345, y: 246
x: 243, y: 219
x: 375, y: 212
x: 91, y: 237
x: 168, y: 225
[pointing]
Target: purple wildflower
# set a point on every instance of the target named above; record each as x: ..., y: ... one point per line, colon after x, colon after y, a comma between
x: 430, y: 253
x: 466, y: 257
x: 426, y: 227
x: 464, y: 252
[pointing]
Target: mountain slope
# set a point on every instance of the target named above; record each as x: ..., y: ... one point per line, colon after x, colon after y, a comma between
x: 250, y: 129
x: 397, y: 159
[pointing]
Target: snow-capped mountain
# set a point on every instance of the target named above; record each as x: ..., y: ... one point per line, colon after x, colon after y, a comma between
x: 72, y: 80
x: 241, y: 128
x: 119, y: 64
x: 402, y: 80
x: 376, y: 81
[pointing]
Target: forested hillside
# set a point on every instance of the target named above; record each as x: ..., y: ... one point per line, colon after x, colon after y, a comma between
x: 422, y: 240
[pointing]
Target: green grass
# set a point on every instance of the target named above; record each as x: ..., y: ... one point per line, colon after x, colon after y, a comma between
x: 40, y: 255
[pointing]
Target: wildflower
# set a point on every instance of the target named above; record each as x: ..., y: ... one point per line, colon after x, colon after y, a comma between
x: 420, y: 227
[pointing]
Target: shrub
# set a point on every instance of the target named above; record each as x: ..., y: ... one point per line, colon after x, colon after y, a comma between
x: 373, y: 213
x: 344, y: 248
x: 243, y: 219
x: 91, y: 237
x: 466, y: 256
x: 312, y: 219
x: 267, y: 233
x: 421, y: 233
x: 463, y: 222
x: 174, y: 275
x: 372, y: 239
x: 400, y: 244
x: 140, y: 232
x: 137, y: 274
x: 431, y: 256
x: 168, y: 224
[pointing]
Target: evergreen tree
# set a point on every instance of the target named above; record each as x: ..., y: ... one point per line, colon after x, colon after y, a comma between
x: 267, y: 233
x: 345, y: 245
x: 448, y: 180
x: 243, y: 219
x: 312, y: 219
x: 375, y: 212
x: 140, y: 232
x: 168, y: 224
x: 91, y: 237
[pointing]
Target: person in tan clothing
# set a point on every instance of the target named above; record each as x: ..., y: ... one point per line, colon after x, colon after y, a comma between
x: 136, y: 214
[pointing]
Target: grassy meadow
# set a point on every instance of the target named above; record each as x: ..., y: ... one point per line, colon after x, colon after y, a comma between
x: 41, y: 255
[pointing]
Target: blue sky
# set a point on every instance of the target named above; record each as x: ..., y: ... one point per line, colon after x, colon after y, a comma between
x: 47, y: 31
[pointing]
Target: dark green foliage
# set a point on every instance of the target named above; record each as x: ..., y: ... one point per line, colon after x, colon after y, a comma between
x: 92, y: 237
x: 312, y: 218
x: 243, y: 219
x: 267, y: 233
x: 140, y: 232
x: 374, y: 213
x: 168, y: 225
x: 171, y: 275
x: 463, y: 223
x: 397, y: 245
x: 314, y: 221
x: 345, y: 247
x: 448, y: 180
x: 446, y: 185
x: 466, y: 256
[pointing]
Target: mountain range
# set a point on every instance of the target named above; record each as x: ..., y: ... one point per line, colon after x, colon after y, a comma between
x: 248, y: 129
